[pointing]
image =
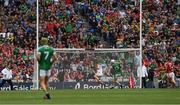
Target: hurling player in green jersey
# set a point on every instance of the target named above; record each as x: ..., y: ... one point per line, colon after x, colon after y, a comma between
x: 46, y: 57
x: 116, y: 72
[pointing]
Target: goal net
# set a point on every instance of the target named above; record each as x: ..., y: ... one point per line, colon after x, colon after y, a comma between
x: 77, y: 68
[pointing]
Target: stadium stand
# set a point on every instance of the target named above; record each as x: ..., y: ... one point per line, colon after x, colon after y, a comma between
x: 18, y: 36
x: 161, y: 33
x: 90, y: 24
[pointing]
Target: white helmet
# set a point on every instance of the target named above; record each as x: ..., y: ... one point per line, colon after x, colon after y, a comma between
x: 112, y: 60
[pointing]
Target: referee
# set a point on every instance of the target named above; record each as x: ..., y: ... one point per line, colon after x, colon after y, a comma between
x: 6, y: 75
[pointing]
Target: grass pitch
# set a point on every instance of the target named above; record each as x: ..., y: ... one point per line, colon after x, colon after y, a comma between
x: 95, y: 97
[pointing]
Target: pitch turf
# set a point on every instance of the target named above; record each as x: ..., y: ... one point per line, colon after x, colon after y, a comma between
x: 124, y: 96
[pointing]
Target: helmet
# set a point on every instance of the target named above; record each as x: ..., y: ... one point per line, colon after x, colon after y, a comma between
x: 44, y: 41
x: 112, y: 60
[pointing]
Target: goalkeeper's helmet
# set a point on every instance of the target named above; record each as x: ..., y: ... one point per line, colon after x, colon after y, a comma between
x: 112, y: 60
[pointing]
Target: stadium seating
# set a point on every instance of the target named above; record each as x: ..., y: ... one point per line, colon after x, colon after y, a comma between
x: 90, y: 24
x: 18, y: 36
x: 161, y: 31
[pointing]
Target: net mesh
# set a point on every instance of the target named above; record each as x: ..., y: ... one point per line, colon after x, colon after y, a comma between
x: 81, y: 65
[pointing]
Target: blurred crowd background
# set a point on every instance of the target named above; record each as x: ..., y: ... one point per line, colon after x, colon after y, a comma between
x: 161, y: 33
x: 18, y: 37
x: 89, y: 24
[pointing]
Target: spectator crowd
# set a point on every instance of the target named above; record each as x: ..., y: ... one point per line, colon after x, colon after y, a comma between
x: 161, y: 33
x: 90, y: 23
x: 18, y: 37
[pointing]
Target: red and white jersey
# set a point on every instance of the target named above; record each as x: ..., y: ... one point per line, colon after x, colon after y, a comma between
x: 99, y: 70
x: 169, y: 66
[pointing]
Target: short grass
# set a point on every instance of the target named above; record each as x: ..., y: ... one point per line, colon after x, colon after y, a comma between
x: 116, y: 96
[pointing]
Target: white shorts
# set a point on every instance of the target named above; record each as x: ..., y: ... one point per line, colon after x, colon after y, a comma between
x: 99, y: 74
x: 44, y: 73
x: 171, y: 76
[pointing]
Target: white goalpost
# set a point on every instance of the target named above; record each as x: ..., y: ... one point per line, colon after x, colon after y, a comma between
x: 140, y: 34
x: 84, y: 51
x: 36, y: 70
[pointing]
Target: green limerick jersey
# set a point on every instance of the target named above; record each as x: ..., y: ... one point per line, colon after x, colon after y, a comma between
x: 117, y: 68
x: 45, y: 59
x: 152, y: 66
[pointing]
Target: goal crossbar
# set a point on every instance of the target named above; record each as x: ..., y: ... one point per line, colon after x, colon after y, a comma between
x: 94, y: 50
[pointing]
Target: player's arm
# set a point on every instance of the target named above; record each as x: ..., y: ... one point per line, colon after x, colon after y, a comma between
x: 94, y: 71
x: 173, y: 66
x: 54, y: 57
x: 38, y: 56
x: 165, y: 65
x: 1, y: 75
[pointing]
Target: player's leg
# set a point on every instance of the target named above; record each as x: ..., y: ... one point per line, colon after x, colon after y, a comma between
x: 98, y: 79
x: 172, y: 80
x: 43, y: 82
x: 43, y: 85
x: 46, y: 82
x: 48, y: 73
x: 143, y: 82
x: 113, y: 82
x: 10, y: 83
x: 2, y: 83
x: 117, y: 82
x: 113, y: 79
x: 47, y: 86
x: 167, y: 79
